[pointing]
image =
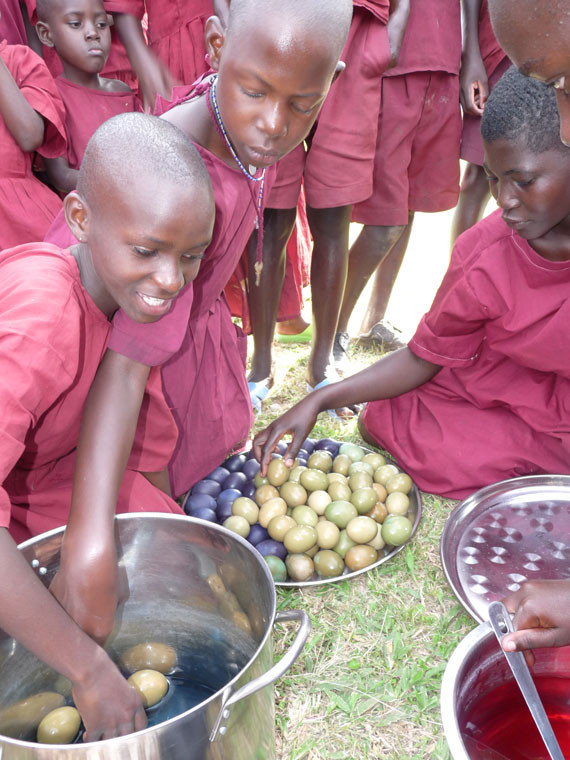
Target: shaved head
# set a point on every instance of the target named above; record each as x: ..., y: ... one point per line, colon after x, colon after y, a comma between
x: 321, y: 19
x: 133, y: 149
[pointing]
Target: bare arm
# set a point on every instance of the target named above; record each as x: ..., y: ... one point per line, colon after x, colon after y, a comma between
x: 399, y: 13
x: 154, y: 77
x: 60, y: 174
x: 24, y: 124
x: 473, y: 77
x: 108, y: 705
x: 394, y: 374
x: 88, y: 584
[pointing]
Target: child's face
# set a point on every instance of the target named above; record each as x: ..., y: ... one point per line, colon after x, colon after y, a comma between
x: 530, y: 188
x: 80, y: 32
x: 141, y: 245
x: 270, y: 89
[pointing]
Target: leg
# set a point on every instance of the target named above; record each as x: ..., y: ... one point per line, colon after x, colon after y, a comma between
x: 368, y: 251
x: 472, y: 200
x: 328, y: 277
x: 264, y: 298
x: 385, y: 279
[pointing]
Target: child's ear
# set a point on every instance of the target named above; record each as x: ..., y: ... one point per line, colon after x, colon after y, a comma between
x: 44, y: 33
x: 77, y: 215
x: 215, y: 35
x: 340, y: 67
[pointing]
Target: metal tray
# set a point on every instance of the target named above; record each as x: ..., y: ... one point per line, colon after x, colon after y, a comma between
x: 414, y: 512
x: 505, y: 534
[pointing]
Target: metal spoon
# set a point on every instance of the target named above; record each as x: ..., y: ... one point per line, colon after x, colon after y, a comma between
x: 501, y: 624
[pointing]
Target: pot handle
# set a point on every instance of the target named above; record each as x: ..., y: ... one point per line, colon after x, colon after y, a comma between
x: 279, y: 669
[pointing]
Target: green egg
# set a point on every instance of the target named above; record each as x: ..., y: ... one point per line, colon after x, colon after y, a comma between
x: 353, y: 452
x: 295, y: 474
x: 259, y: 480
x: 314, y: 480
x: 276, y: 568
x: 341, y: 463
x: 384, y: 473
x: 339, y: 492
x: 396, y: 530
x: 300, y: 539
x: 328, y: 534
x: 400, y: 482
x: 344, y: 544
x: 364, y: 499
x: 304, y: 515
x: 264, y: 493
x: 360, y: 480
x: 340, y: 513
x: 375, y: 459
x: 293, y: 493
x: 319, y: 500
x: 360, y: 556
x: 397, y: 503
x: 362, y: 529
x: 246, y: 508
x: 328, y: 563
x: 277, y: 472
x: 238, y: 524
x: 279, y: 525
x: 361, y: 467
x: 320, y: 460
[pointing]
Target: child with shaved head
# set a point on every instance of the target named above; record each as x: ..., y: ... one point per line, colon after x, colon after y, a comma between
x: 139, y: 177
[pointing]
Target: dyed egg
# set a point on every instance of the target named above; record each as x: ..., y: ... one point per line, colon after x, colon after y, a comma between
x: 300, y: 567
x: 377, y: 542
x: 276, y: 548
x: 61, y: 726
x: 276, y: 567
x: 340, y: 513
x: 360, y: 556
x: 235, y: 480
x: 384, y: 473
x: 270, y: 509
x: 20, y: 720
x: 396, y: 530
x: 211, y: 487
x: 354, y: 452
x: 203, y: 513
x: 361, y: 466
x: 279, y: 525
x: 364, y: 499
x: 318, y: 501
x: 257, y: 534
x: 293, y: 493
x: 381, y: 491
x: 328, y: 534
x: 260, y: 480
x: 150, y: 684
x: 277, y: 472
x: 341, y: 464
x: 314, y: 480
x: 344, y: 544
x: 339, y: 492
x: 251, y: 468
x: 360, y: 480
x: 375, y: 459
x: 300, y: 539
x: 378, y: 512
x: 238, y: 524
x: 362, y: 529
x: 304, y: 515
x: 153, y: 654
x: 198, y: 501
x: 327, y: 444
x: 328, y: 564
x: 336, y: 477
x: 295, y: 474
x: 264, y: 493
x: 219, y: 474
x: 235, y: 462
x: 397, y: 503
x: 320, y: 460
x: 247, y: 508
x: 224, y: 510
x: 399, y: 482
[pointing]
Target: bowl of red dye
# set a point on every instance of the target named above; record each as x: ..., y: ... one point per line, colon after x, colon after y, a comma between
x: 484, y: 714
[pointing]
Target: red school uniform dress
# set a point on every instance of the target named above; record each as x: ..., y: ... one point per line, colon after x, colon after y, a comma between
x: 500, y: 405
x: 496, y: 63
x: 175, y: 32
x: 27, y: 206
x: 52, y: 338
x: 203, y: 353
x: 12, y: 27
x: 86, y: 109
x: 416, y: 165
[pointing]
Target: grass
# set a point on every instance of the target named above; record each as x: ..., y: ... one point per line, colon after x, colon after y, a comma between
x: 367, y: 684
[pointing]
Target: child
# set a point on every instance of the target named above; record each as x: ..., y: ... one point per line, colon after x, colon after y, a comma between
x: 275, y: 64
x: 139, y: 177
x: 480, y: 393
x: 483, y: 64
x: 31, y: 119
x: 337, y: 171
x: 79, y: 32
x: 536, y: 37
x: 416, y: 166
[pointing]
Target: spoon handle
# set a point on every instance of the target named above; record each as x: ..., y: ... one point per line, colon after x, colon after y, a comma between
x: 501, y: 624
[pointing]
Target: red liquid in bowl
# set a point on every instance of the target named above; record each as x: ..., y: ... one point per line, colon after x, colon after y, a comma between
x: 500, y: 726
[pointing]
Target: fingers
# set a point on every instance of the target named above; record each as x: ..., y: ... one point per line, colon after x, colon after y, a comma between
x: 529, y: 638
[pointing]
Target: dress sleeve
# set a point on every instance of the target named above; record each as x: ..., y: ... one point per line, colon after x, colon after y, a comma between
x: 452, y: 331
x: 154, y: 343
x: 38, y: 87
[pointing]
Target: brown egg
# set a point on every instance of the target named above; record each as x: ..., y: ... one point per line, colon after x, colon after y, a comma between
x: 378, y: 512
x: 21, y: 719
x: 360, y: 556
x: 150, y: 684
x: 150, y: 654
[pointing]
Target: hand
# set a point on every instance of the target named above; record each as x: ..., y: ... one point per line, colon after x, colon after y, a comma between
x: 154, y: 79
x: 474, y: 87
x: 88, y: 585
x: 298, y: 421
x: 108, y: 704
x: 541, y: 617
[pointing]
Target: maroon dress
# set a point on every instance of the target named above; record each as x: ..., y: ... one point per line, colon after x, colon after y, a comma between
x: 500, y: 407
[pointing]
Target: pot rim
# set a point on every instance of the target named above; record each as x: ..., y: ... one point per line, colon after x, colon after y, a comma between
x: 126, y: 517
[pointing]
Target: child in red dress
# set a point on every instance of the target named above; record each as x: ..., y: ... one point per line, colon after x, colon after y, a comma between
x: 79, y: 32
x: 137, y: 181
x: 481, y: 392
x: 31, y: 119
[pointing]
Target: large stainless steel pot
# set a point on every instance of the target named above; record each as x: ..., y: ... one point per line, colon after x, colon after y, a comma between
x: 167, y: 559
x: 476, y: 681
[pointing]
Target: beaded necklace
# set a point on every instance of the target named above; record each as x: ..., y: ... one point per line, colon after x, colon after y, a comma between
x: 216, y: 117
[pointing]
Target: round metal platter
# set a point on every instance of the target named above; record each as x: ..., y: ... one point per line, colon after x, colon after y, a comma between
x: 505, y: 534
x: 414, y: 513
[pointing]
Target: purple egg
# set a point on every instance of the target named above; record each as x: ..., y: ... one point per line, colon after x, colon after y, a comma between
x: 257, y: 534
x: 303, y: 453
x: 282, y: 447
x: 250, y: 455
x: 228, y: 494
x: 303, y: 460
x: 269, y: 546
x: 328, y: 445
x: 211, y: 487
x: 251, y: 468
x: 249, y: 490
x: 235, y: 462
x: 204, y: 514
x: 224, y: 510
x: 308, y: 445
x: 199, y: 501
x: 235, y: 480
x: 219, y: 474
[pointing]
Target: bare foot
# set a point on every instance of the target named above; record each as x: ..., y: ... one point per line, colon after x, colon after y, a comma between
x: 292, y: 326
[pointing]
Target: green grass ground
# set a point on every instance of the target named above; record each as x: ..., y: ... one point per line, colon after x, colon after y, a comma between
x: 367, y: 683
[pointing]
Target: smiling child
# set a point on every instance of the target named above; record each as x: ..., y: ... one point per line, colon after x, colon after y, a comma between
x: 56, y: 308
x: 481, y: 392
